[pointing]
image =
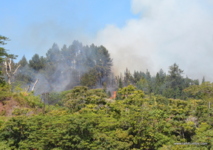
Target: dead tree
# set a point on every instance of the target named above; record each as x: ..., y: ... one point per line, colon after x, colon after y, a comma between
x: 10, y: 73
x: 28, y: 89
x: 34, y: 84
x: 8, y: 69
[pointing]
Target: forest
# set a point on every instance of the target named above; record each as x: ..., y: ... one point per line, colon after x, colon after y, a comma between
x: 71, y: 99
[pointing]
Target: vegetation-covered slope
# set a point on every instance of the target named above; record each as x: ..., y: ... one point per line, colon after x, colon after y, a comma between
x: 166, y: 111
x: 85, y: 120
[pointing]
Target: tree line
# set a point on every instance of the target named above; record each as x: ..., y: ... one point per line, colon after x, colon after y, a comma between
x: 170, y: 85
x: 63, y: 69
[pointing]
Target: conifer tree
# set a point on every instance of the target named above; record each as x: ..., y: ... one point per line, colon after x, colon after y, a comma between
x: 23, y: 62
x: 4, y: 55
x: 37, y: 63
x: 203, y: 80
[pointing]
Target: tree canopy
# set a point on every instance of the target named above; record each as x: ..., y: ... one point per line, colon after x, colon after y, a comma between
x: 72, y: 107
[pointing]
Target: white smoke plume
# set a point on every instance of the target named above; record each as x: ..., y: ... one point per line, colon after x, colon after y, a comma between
x: 168, y: 31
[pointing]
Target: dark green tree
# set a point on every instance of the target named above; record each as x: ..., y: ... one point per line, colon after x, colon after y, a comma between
x: 89, y: 79
x: 149, y: 81
x: 175, y: 76
x: 174, y: 82
x: 103, y: 64
x: 23, y: 62
x: 128, y: 79
x: 53, y: 54
x: 37, y: 63
x: 4, y: 55
x: 203, y: 80
x: 120, y: 83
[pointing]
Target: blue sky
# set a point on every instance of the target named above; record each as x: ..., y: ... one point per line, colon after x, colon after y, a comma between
x: 139, y: 34
x: 84, y: 17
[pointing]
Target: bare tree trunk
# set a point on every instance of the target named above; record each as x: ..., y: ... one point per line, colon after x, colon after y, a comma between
x: 8, y: 69
x: 34, y: 85
x: 16, y: 69
x: 10, y: 61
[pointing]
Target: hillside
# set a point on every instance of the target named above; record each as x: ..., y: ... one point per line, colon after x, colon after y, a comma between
x: 79, y: 104
x: 83, y: 119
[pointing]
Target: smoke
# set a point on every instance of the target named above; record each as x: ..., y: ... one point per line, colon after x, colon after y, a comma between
x: 42, y: 35
x: 60, y: 81
x: 168, y: 31
x: 63, y: 68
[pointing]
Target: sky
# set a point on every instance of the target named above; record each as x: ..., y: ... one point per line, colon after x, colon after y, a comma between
x: 139, y: 34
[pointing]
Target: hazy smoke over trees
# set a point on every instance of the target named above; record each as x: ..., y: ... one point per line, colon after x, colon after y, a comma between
x: 167, y: 31
x: 71, y: 66
x: 75, y: 65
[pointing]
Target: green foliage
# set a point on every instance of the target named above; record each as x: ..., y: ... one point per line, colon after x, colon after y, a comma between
x: 96, y: 96
x: 170, y: 86
x: 5, y: 92
x: 87, y: 121
x: 126, y: 91
x: 3, y: 52
x: 148, y: 113
x: 3, y: 56
x: 54, y: 98
x: 23, y: 62
x: 37, y: 63
x: 120, y: 85
x: 78, y: 97
x: 20, y: 111
x: 90, y: 78
x: 205, y: 90
x: 66, y: 68
x: 142, y: 84
x: 27, y: 99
